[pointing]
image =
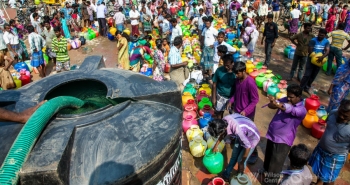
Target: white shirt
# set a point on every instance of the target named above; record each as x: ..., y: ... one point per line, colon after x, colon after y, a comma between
x: 93, y: 7
x: 295, y: 13
x: 9, y: 38
x: 134, y: 14
x: 101, y: 11
x: 199, y: 7
x: 36, y: 25
x: 200, y: 20
x: 244, y: 9
x: 12, y: 3
x: 176, y: 32
x: 209, y: 35
x: 251, y: 14
x: 216, y: 57
x: 119, y: 18
x: 214, y: 1
x: 263, y: 9
x: 121, y: 3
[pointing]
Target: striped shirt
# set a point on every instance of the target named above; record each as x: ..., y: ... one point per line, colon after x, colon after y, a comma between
x: 60, y: 48
x: 244, y: 129
x: 174, y: 56
x: 338, y: 38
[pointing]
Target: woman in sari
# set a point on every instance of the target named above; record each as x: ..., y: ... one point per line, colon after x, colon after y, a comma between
x: 159, y: 62
x: 339, y: 88
x: 14, y: 30
x: 137, y: 54
x: 64, y: 26
x: 122, y: 50
x: 55, y: 20
x: 250, y: 37
x: 331, y: 19
x: 347, y: 21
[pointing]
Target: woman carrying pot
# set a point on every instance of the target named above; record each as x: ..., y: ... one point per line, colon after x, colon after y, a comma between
x: 246, y: 136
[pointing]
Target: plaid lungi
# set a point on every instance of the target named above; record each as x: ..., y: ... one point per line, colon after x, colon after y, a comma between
x: 325, y: 165
x: 207, y: 58
x: 221, y: 103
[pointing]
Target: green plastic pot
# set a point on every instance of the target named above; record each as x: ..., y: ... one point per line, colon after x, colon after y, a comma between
x: 260, y: 80
x: 273, y: 90
x: 214, y: 162
x: 204, y: 101
x: 189, y: 88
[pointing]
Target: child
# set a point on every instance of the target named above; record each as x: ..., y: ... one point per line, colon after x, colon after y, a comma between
x: 159, y: 62
x: 148, y: 38
x: 75, y: 21
x: 166, y: 47
x: 90, y: 10
x: 222, y: 50
x: 251, y: 14
x: 234, y: 14
x: 247, y: 137
x: 221, y: 9
x: 298, y: 172
x: 239, y: 22
x: 36, y: 43
x: 59, y: 46
x: 6, y: 80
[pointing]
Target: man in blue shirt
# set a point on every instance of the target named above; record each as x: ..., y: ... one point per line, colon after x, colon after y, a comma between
x: 319, y: 44
x: 178, y: 71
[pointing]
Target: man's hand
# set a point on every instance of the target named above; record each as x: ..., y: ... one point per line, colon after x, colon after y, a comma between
x: 215, y: 149
x: 211, y: 46
x: 262, y: 42
x: 228, y: 107
x: 242, y: 113
x: 330, y: 91
x: 213, y: 99
x: 273, y: 44
x: 319, y: 59
x: 271, y: 98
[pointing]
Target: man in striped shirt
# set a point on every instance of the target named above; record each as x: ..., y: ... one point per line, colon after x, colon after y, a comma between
x: 59, y: 46
x: 179, y: 72
x: 336, y: 49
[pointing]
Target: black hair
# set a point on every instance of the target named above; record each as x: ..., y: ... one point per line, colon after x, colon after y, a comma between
x: 239, y: 67
x: 299, y: 156
x: 341, y: 26
x: 204, y: 19
x: 57, y: 29
x: 227, y: 58
x: 7, y: 24
x: 118, y: 32
x: 12, y: 21
x: 345, y: 105
x: 222, y: 49
x: 47, y: 21
x: 147, y: 37
x: 201, y: 9
x: 293, y: 6
x: 216, y: 127
x: 120, y: 9
x: 178, y: 41
x: 30, y: 28
x: 35, y: 15
x: 88, y: 2
x: 239, y: 9
x: 210, y: 18
x: 173, y: 20
x: 168, y: 16
x: 250, y: 7
x: 323, y: 31
x: 159, y: 44
x: 165, y: 39
x: 345, y: 6
x: 307, y: 25
x: 103, y: 3
x: 295, y: 89
x: 221, y: 33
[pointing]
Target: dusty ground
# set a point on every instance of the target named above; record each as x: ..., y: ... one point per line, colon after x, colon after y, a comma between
x: 193, y: 172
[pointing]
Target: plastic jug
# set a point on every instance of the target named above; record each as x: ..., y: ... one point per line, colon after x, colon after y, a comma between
x: 273, y: 90
x: 198, y: 146
x: 312, y: 103
x: 203, y: 122
x: 21, y: 65
x: 321, y: 111
x: 262, y: 69
x: 191, y: 104
x: 249, y: 66
x: 310, y: 119
x: 206, y: 88
x: 25, y: 79
x: 192, y: 132
x: 202, y: 94
x: 211, y: 142
x: 254, y: 73
x: 185, y: 97
x: 205, y: 109
x: 189, y: 111
x: 281, y: 94
x: 213, y: 162
x: 189, y: 88
x: 260, y: 80
x: 17, y: 82
x: 217, y: 181
x: 188, y: 122
x: 204, y: 101
x: 282, y: 84
x: 268, y: 74
x: 240, y: 179
x: 318, y: 128
x: 267, y: 84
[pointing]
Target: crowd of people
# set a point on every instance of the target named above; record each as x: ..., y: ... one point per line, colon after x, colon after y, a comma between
x: 233, y: 89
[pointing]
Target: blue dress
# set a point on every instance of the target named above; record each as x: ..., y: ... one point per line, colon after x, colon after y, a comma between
x: 341, y: 84
x: 65, y: 28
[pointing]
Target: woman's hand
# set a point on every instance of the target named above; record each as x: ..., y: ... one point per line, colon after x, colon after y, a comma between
x: 330, y: 91
x: 241, y: 167
x: 228, y: 107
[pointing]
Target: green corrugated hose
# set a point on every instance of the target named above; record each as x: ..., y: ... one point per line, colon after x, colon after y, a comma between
x: 29, y: 134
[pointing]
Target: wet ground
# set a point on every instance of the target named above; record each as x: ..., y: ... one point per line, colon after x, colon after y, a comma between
x: 193, y: 171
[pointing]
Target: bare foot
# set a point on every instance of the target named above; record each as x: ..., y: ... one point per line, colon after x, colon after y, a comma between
x: 25, y: 115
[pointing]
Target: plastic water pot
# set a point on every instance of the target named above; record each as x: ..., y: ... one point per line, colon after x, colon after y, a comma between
x: 312, y: 103
x: 198, y: 146
x: 203, y: 102
x: 211, y: 142
x: 213, y: 162
x: 192, y: 132
x: 310, y: 119
x: 188, y: 122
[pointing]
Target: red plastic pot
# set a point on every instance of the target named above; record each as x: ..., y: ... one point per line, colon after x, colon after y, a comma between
x: 318, y: 128
x: 312, y: 103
